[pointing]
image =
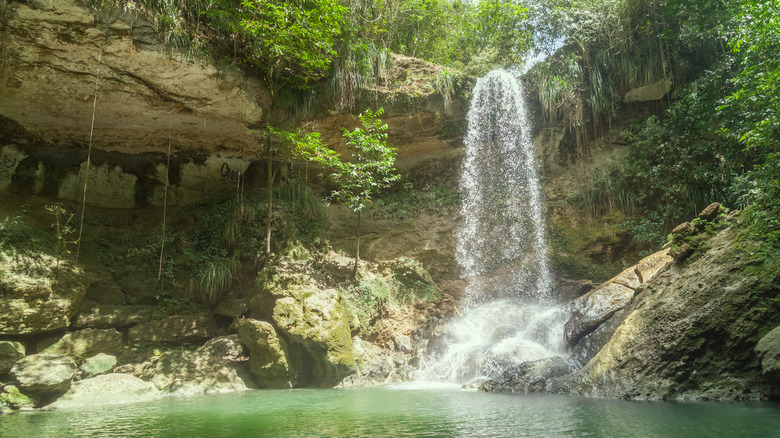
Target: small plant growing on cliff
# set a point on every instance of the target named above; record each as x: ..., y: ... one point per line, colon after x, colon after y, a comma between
x: 215, y: 280
x: 372, y: 169
x: 62, y: 228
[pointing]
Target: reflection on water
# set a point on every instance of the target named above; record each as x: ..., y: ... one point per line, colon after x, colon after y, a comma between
x: 417, y: 409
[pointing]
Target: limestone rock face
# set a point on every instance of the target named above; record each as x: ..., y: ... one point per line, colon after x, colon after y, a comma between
x: 87, y: 342
x: 10, y: 353
x: 216, y: 367
x: 268, y: 355
x: 52, y: 52
x: 107, y: 315
x: 315, y: 321
x: 692, y: 332
x: 107, y: 389
x: 44, y: 374
x: 654, y: 91
x: 177, y: 328
x: 32, y: 305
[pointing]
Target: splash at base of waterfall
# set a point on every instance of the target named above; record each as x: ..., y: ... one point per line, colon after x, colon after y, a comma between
x: 489, y: 338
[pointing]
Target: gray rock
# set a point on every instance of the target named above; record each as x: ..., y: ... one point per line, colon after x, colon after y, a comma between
x: 594, y: 308
x: 87, y: 342
x: 107, y: 389
x: 10, y: 353
x: 44, y: 374
x: 107, y: 316
x: 531, y: 376
x: 219, y: 366
x: 177, y: 328
x: 768, y: 352
x: 97, y: 365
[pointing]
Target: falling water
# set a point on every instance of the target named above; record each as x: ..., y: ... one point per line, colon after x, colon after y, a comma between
x: 508, y: 316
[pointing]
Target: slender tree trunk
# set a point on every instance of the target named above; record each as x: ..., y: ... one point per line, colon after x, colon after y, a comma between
x: 357, y: 247
x: 270, y: 193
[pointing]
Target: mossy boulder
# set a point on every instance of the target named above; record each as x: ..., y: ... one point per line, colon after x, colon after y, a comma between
x: 44, y: 374
x: 268, y: 355
x: 315, y: 321
x: 12, y: 399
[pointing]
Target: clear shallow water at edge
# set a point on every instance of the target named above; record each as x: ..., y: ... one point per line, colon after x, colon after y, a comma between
x: 415, y: 409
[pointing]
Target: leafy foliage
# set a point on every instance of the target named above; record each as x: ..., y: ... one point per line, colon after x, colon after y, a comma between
x: 372, y: 168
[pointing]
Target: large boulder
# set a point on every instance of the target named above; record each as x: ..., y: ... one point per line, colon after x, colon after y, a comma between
x: 597, y: 306
x: 10, y: 353
x: 44, y: 374
x: 107, y: 389
x: 34, y: 305
x: 97, y: 365
x: 268, y: 356
x: 768, y: 352
x: 218, y: 366
x: 107, y: 315
x: 178, y: 328
x: 314, y: 322
x: 87, y: 342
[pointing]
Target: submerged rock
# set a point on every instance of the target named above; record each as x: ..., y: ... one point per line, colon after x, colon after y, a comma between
x: 86, y: 342
x: 44, y: 374
x: 107, y: 389
x: 10, y: 353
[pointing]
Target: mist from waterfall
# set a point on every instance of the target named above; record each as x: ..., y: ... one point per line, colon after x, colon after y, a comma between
x: 507, y: 313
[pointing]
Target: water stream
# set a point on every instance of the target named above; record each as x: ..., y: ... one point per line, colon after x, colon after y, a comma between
x: 508, y: 313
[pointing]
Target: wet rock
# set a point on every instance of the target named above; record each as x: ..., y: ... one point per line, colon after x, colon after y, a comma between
x: 268, y: 357
x: 107, y: 389
x: 570, y: 289
x: 105, y: 316
x: 97, y: 365
x: 691, y: 333
x: 528, y: 376
x: 87, y: 342
x: 768, y: 352
x: 44, y: 374
x: 177, y: 328
x: 376, y: 365
x: 10, y: 353
x: 595, y: 307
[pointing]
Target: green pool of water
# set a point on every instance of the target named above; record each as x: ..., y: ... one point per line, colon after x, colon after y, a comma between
x: 399, y: 410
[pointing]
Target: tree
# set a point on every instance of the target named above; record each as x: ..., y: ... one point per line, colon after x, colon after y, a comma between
x: 372, y: 169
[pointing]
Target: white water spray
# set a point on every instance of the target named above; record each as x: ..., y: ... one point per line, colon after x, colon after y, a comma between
x: 508, y: 316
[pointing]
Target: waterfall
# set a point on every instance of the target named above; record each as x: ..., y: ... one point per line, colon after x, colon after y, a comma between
x: 507, y: 314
